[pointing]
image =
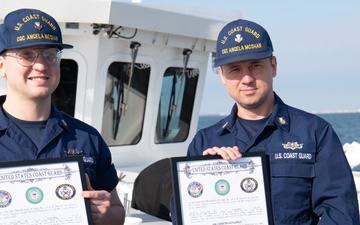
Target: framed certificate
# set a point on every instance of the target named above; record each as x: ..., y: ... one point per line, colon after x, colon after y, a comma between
x: 211, y: 190
x: 44, y: 191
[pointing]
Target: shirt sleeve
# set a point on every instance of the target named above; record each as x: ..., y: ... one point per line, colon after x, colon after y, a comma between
x: 334, y: 192
x: 104, y: 176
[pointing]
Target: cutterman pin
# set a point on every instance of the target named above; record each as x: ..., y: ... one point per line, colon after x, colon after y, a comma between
x: 73, y: 151
x: 292, y: 145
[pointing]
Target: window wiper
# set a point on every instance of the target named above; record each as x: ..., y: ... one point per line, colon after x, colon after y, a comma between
x: 171, y: 108
x: 118, y: 91
x: 118, y: 105
x: 174, y: 104
x: 186, y: 56
x: 134, y: 49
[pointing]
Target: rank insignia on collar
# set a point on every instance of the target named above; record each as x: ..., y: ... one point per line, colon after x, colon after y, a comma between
x: 292, y: 145
x: 282, y: 120
x: 64, y: 123
x: 73, y: 152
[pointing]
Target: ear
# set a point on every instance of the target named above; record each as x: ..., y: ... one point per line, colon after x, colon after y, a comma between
x: 221, y: 75
x: 274, y: 65
x: 2, y: 71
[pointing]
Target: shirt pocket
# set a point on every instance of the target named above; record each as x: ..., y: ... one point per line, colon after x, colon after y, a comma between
x: 291, y: 191
x: 292, y: 173
x: 293, y: 170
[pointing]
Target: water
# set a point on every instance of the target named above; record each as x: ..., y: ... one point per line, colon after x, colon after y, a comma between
x: 346, y: 125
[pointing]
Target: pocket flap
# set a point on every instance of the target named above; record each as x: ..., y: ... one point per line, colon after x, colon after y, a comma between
x: 294, y: 169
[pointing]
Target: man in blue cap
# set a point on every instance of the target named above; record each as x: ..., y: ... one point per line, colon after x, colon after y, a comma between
x: 31, y: 127
x: 310, y: 179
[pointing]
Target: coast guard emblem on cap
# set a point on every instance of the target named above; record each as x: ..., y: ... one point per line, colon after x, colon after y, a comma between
x: 292, y: 145
x: 238, y: 38
x: 38, y: 26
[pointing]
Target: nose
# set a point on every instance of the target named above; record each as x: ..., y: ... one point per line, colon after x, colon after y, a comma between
x: 247, y: 77
x: 40, y: 62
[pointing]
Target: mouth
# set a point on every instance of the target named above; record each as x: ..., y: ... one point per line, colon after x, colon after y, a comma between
x: 248, y: 90
x: 38, y: 78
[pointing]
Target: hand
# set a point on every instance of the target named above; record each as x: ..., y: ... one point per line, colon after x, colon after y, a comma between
x: 227, y: 153
x: 100, y: 201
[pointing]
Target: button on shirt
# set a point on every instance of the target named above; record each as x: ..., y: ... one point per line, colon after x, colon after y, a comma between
x: 310, y: 176
x: 64, y: 136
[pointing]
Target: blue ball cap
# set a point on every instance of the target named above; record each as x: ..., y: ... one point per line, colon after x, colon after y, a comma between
x: 242, y: 40
x: 30, y: 27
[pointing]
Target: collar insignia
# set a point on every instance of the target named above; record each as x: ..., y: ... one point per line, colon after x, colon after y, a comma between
x: 38, y: 25
x: 64, y: 123
x: 292, y: 145
x: 73, y: 152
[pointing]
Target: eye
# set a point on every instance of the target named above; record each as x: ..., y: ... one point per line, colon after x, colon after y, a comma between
x: 50, y: 56
x: 256, y: 67
x: 234, y: 70
x: 27, y: 55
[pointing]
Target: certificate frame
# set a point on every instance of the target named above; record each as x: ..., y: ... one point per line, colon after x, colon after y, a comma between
x: 211, y: 190
x: 44, y: 191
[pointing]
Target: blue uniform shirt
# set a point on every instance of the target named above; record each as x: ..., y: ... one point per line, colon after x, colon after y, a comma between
x: 310, y: 176
x: 64, y: 136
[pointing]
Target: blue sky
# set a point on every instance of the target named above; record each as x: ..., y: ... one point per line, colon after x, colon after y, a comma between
x: 317, y: 44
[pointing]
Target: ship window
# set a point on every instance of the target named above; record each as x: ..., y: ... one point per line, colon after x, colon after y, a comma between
x: 65, y: 94
x: 176, y: 105
x: 124, y: 105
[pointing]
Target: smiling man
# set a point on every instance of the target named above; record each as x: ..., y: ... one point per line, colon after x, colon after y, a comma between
x: 31, y: 127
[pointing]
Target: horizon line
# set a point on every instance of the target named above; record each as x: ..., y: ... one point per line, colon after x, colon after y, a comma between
x: 313, y: 112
